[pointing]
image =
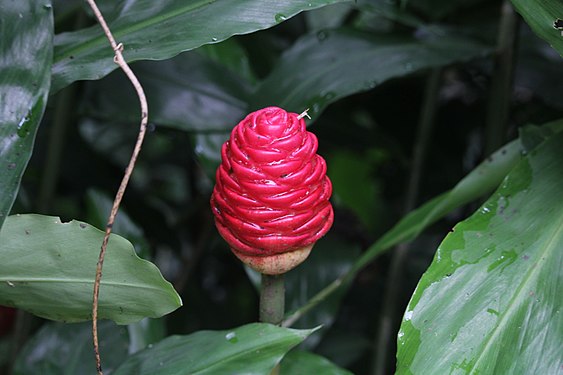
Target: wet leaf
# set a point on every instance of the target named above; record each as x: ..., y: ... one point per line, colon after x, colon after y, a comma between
x: 66, y: 349
x: 491, y: 302
x: 250, y: 349
x: 541, y: 16
x: 315, y: 72
x: 159, y: 30
x: 300, y: 362
x: 47, y: 268
x: 26, y: 42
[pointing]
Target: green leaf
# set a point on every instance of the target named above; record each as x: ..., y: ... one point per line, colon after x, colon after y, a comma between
x: 66, y: 349
x: 329, y: 17
x: 300, y: 362
x: 480, y: 181
x: 483, y: 179
x: 354, y: 185
x: 491, y: 302
x: 158, y: 30
x: 26, y: 50
x: 323, y: 67
x: 47, y: 268
x: 98, y: 206
x: 208, y: 150
x: 145, y: 332
x: 232, y: 55
x: 331, y: 256
x: 250, y: 349
x: 189, y: 92
x: 540, y: 15
x: 383, y: 11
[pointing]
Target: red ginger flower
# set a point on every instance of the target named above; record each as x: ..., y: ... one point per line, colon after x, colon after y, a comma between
x: 271, y: 198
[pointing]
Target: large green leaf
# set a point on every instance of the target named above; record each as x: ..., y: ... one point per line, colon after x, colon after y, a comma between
x: 158, y: 30
x: 66, y: 349
x: 250, y: 349
x: 328, y: 65
x: 300, y: 362
x: 47, y: 268
x: 491, y: 300
x: 26, y: 50
x: 540, y: 15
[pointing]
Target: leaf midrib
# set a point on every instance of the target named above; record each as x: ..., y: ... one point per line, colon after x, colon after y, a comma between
x: 263, y: 346
x: 128, y: 29
x: 517, y: 298
x: 75, y: 281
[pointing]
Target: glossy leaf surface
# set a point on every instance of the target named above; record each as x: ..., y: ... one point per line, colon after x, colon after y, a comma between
x: 189, y: 92
x: 315, y: 71
x: 541, y: 15
x: 491, y: 300
x: 48, y: 268
x: 250, y: 349
x: 66, y: 349
x: 483, y: 179
x: 300, y: 362
x: 26, y: 50
x: 159, y: 30
x: 99, y: 206
x: 480, y: 181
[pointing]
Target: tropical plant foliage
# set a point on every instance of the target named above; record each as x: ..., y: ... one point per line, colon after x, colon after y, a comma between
x: 442, y: 126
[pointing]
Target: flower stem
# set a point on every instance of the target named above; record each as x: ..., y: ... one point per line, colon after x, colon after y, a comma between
x: 272, y: 299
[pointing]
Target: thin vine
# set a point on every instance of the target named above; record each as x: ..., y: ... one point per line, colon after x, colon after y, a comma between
x: 119, y: 60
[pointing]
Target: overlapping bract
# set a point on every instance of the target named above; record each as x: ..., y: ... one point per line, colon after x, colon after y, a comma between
x: 272, y: 193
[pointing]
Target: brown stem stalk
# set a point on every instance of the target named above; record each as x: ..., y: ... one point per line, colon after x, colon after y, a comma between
x: 119, y: 60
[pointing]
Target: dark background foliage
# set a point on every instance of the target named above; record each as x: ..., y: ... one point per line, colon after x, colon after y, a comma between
x: 366, y: 114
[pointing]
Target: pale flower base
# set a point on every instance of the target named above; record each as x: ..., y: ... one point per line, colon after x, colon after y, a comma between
x: 276, y: 264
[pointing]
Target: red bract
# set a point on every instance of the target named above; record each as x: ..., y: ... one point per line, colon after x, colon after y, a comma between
x: 271, y: 198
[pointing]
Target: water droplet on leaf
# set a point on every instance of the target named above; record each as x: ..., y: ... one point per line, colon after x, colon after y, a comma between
x: 370, y: 84
x: 322, y: 35
x: 23, y: 126
x: 231, y: 337
x: 280, y: 17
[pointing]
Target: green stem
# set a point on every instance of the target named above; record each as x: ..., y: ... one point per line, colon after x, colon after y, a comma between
x: 388, y: 322
x: 318, y: 298
x: 272, y: 299
x: 63, y: 115
x: 501, y: 82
